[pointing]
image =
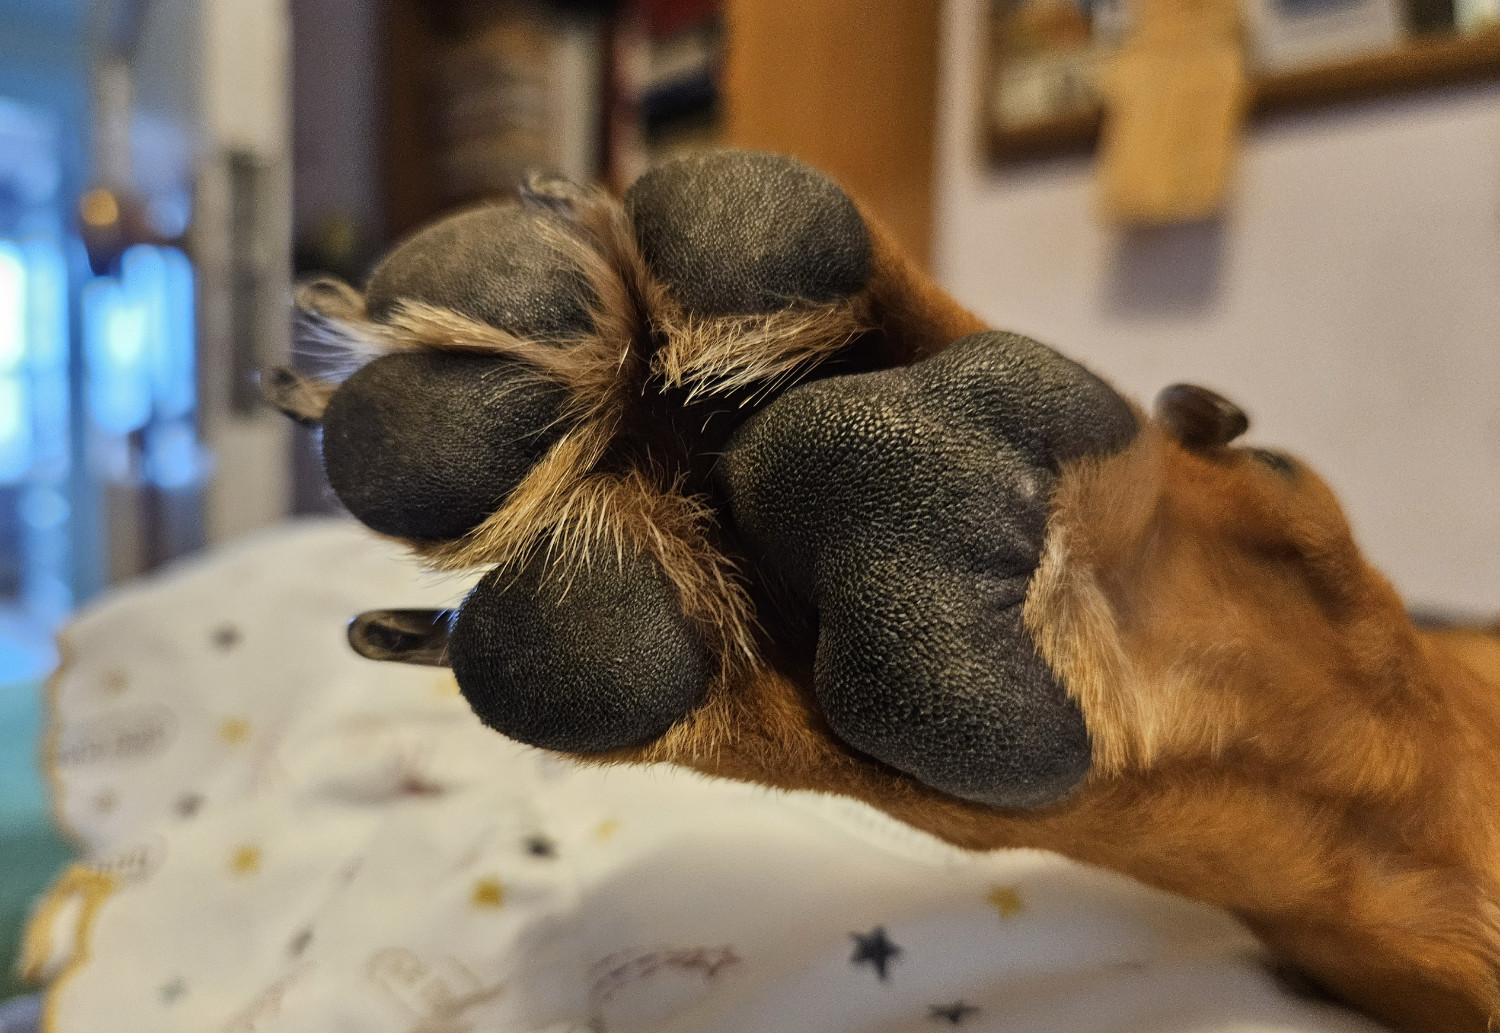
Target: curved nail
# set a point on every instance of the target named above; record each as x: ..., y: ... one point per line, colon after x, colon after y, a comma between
x: 1198, y: 418
x: 403, y: 636
x: 301, y: 397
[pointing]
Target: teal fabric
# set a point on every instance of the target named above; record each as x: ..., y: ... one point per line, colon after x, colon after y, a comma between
x: 32, y: 851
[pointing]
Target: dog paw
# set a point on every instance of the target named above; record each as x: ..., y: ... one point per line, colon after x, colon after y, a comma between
x: 703, y: 435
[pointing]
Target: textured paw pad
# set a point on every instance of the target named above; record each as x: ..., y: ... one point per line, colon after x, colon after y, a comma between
x: 595, y: 661
x: 426, y: 445
x: 908, y: 507
x: 503, y: 265
x: 738, y: 233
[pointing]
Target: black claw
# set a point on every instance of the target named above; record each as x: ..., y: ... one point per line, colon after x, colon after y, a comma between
x: 326, y: 297
x: 404, y: 636
x: 554, y: 193
x: 1198, y: 418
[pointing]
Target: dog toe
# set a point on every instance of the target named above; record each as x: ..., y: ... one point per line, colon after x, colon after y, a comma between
x: 426, y: 445
x: 741, y: 233
x: 505, y: 265
x: 597, y: 659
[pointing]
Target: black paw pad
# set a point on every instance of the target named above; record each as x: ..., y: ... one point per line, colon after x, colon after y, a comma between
x: 908, y: 507
x: 426, y: 445
x: 497, y: 265
x: 741, y: 233
x: 588, y: 662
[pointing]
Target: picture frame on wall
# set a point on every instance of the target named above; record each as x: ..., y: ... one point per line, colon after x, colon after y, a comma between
x: 1291, y: 34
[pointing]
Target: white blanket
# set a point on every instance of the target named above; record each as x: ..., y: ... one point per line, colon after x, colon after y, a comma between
x: 285, y: 837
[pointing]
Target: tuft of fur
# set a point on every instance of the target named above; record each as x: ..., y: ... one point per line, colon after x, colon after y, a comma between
x: 727, y: 354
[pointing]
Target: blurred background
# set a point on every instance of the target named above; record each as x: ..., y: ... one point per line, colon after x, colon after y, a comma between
x: 169, y: 167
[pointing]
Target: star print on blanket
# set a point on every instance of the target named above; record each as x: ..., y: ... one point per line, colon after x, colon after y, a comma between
x: 876, y: 950
x: 954, y: 1014
x: 362, y: 854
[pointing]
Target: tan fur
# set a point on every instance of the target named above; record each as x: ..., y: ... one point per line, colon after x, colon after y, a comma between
x: 1270, y: 733
x: 765, y: 352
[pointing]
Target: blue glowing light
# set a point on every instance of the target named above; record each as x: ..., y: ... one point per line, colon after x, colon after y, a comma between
x: 46, y: 305
x: 15, y: 430
x: 47, y: 356
x: 16, y: 454
x: 138, y: 334
x: 174, y: 459
x: 12, y: 307
x: 114, y: 326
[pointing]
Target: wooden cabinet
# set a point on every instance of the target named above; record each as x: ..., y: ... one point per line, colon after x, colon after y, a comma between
x: 849, y: 86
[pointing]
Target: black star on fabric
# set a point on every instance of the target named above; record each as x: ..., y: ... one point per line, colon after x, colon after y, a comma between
x: 173, y: 990
x: 226, y: 637
x: 952, y: 1014
x: 188, y: 804
x: 541, y: 846
x: 874, y: 948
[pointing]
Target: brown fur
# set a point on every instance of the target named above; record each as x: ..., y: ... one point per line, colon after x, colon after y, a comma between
x: 1271, y: 735
x: 916, y: 316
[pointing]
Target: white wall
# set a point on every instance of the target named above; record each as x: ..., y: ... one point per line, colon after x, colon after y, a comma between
x: 1350, y: 302
x: 245, y: 106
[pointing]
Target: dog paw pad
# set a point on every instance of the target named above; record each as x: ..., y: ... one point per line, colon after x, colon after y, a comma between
x: 739, y: 233
x: 506, y: 265
x: 426, y: 445
x: 597, y: 659
x: 908, y: 509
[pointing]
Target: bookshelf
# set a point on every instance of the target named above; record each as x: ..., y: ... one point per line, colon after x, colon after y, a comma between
x: 852, y: 95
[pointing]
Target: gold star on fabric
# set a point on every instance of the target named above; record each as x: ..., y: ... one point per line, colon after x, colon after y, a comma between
x: 445, y: 685
x: 246, y: 860
x: 1006, y: 900
x: 488, y: 894
x: 234, y: 730
x: 606, y: 829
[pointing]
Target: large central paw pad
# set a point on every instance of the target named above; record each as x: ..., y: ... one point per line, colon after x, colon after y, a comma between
x: 594, y: 400
x: 909, y: 508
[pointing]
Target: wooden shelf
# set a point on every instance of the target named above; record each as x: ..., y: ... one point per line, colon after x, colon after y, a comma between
x: 1420, y: 64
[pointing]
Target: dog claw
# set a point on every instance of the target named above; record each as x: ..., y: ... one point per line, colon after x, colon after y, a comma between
x: 405, y: 636
x: 299, y: 396
x: 1198, y: 418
